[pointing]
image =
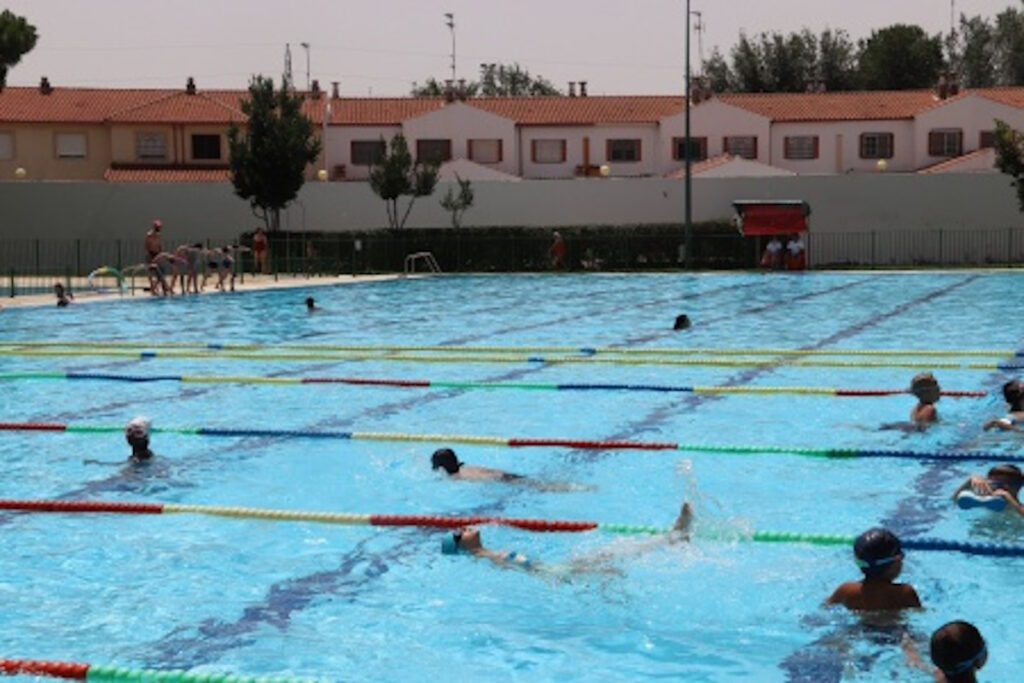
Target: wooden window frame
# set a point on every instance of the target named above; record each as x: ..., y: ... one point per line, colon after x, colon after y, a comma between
x: 533, y: 150
x: 726, y: 150
x: 938, y: 142
x: 891, y: 141
x: 380, y: 146
x: 637, y: 142
x: 702, y: 143
x: 981, y: 139
x: 501, y: 153
x: 445, y: 155
x: 787, y: 149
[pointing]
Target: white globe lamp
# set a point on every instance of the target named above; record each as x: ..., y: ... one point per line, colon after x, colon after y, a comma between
x: 322, y: 174
x: 882, y: 165
x: 605, y: 170
x: 20, y: 173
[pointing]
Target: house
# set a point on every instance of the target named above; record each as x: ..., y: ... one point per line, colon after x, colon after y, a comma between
x: 137, y: 135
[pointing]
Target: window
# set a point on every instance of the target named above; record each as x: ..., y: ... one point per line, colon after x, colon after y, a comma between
x: 485, y: 151
x: 945, y: 143
x: 6, y: 145
x: 741, y: 146
x: 698, y: 149
x: 801, y: 147
x: 433, y: 150
x: 547, y: 151
x: 367, y: 152
x: 876, y: 146
x: 71, y: 145
x: 206, y: 147
x: 151, y: 146
x: 986, y: 138
x: 623, y: 150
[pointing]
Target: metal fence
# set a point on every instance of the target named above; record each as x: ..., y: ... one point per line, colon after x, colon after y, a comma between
x: 33, y: 266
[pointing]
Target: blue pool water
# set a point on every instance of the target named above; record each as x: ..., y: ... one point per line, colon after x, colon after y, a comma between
x: 213, y: 594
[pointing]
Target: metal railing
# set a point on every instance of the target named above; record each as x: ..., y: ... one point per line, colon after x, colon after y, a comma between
x: 426, y: 257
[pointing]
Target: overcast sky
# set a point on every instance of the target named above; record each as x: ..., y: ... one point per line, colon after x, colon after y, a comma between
x: 379, y: 47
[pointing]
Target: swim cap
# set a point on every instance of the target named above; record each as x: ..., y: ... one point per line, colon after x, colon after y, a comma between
x: 445, y: 457
x: 1012, y: 393
x: 682, y: 322
x: 157, y: 224
x: 1011, y: 473
x: 137, y: 429
x: 876, y: 549
x: 450, y: 543
x: 957, y: 648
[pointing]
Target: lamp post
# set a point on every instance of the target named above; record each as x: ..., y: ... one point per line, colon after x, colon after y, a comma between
x: 688, y: 229
x: 450, y: 23
x: 327, y: 118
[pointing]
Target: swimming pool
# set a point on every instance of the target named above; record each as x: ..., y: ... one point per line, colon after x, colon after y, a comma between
x: 272, y: 598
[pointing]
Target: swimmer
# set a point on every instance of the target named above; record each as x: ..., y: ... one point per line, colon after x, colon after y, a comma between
x: 311, y: 305
x: 189, y: 273
x: 63, y: 297
x: 1002, y: 481
x: 136, y: 433
x: 468, y: 540
x: 445, y: 458
x: 926, y: 388
x: 1013, y: 392
x: 958, y: 650
x: 880, y: 556
x: 682, y: 322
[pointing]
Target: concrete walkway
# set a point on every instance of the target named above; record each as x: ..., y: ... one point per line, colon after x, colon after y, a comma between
x: 252, y: 283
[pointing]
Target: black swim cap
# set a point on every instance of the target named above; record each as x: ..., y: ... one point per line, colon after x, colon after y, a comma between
x: 957, y: 648
x: 1012, y: 393
x: 875, y: 550
x: 445, y: 457
x: 682, y: 322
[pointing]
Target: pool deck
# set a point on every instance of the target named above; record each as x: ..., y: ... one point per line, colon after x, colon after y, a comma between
x: 252, y: 284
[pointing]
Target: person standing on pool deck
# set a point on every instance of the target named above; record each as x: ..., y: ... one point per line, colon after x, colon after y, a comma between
x: 1013, y: 392
x: 557, y: 251
x: 260, y: 246
x: 153, y: 248
x: 880, y: 556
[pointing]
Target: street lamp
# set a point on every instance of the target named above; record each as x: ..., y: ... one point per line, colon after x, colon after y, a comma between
x: 688, y: 225
x: 20, y: 173
x: 323, y: 136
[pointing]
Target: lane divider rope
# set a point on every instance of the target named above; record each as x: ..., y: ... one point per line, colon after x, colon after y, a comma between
x: 104, y: 673
x: 469, y: 384
x: 531, y: 442
x: 458, y: 521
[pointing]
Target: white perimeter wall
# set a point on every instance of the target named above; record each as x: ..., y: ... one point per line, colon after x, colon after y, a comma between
x: 847, y: 203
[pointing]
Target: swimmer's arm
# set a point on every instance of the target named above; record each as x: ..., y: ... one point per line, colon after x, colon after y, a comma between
x: 91, y: 461
x: 914, y: 659
x: 1011, y: 501
x: 839, y: 595
x: 1000, y: 423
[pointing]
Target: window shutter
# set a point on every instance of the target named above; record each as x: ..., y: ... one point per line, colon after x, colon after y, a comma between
x: 935, y: 144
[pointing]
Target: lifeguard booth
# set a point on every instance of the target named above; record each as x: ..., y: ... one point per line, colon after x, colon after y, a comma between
x: 781, y: 218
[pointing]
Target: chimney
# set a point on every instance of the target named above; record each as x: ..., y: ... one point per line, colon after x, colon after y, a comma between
x: 954, y: 84
x: 314, y: 89
x: 583, y: 88
x: 335, y: 93
x: 449, y: 90
x: 44, y: 86
x: 461, y: 92
x: 190, y: 86
x: 572, y: 88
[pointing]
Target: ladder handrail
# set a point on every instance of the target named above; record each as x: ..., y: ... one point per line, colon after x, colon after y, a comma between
x: 426, y: 256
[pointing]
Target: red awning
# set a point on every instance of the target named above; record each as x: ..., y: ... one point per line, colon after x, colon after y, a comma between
x: 768, y: 217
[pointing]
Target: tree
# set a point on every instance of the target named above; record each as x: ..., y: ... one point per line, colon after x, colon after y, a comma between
x: 748, y: 66
x: 1010, y: 156
x: 396, y: 174
x: 456, y: 204
x: 269, y: 159
x: 900, y: 57
x: 974, y: 52
x: 717, y: 71
x: 837, y: 61
x: 496, y: 80
x: 17, y: 38
x: 1009, y: 47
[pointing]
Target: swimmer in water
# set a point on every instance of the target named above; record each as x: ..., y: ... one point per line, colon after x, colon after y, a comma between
x: 880, y: 556
x: 136, y: 433
x: 1013, y: 392
x: 445, y: 459
x: 1002, y: 481
x: 926, y: 388
x: 311, y: 305
x: 682, y: 322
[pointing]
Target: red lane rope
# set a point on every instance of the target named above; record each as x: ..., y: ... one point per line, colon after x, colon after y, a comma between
x: 456, y: 522
x: 36, y: 426
x: 583, y: 443
x: 80, y: 506
x: 38, y: 667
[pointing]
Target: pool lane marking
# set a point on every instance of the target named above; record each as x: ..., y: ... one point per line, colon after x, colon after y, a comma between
x: 470, y: 384
x: 539, y: 525
x: 107, y: 672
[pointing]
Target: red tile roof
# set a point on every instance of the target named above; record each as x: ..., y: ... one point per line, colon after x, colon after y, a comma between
x: 835, y: 106
x: 177, y: 107
x: 562, y: 111
x: 979, y: 161
x: 167, y: 175
x: 376, y: 111
x: 69, y: 105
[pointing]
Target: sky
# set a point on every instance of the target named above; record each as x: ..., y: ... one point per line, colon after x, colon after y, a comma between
x: 380, y: 47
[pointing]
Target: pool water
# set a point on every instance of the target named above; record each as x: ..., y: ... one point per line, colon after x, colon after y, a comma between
x: 252, y: 597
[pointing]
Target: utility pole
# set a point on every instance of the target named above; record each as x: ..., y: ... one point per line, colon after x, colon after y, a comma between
x: 305, y: 46
x: 450, y: 23
x: 288, y: 63
x: 688, y: 226
x: 699, y: 28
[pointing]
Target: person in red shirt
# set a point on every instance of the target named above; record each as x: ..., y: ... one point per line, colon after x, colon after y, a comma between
x: 557, y: 251
x: 260, y: 247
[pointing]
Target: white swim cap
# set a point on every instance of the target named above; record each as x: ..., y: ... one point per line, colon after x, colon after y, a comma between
x: 138, y: 428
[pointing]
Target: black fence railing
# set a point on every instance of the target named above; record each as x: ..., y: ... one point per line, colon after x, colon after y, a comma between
x: 33, y: 266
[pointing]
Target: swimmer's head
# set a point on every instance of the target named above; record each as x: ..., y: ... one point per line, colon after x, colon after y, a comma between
x: 1009, y: 475
x: 682, y: 322
x: 310, y: 304
x: 463, y: 539
x: 445, y: 458
x: 958, y: 648
x: 925, y: 387
x: 878, y: 553
x: 1013, y: 392
x: 137, y: 431
x: 157, y: 225
x: 58, y: 289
